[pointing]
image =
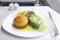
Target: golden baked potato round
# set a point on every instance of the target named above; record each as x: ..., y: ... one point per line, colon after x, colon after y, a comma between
x: 20, y: 21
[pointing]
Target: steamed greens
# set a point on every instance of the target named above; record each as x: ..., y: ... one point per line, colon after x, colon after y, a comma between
x: 34, y: 20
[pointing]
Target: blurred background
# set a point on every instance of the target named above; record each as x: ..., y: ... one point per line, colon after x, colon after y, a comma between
x: 55, y: 4
x: 24, y: 2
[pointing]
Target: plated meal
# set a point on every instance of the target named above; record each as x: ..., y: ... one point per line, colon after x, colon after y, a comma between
x: 28, y: 21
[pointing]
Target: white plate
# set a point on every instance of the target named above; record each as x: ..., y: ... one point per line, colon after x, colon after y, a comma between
x: 7, y: 24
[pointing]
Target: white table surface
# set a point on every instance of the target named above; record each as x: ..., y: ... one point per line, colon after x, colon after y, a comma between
x: 6, y: 36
